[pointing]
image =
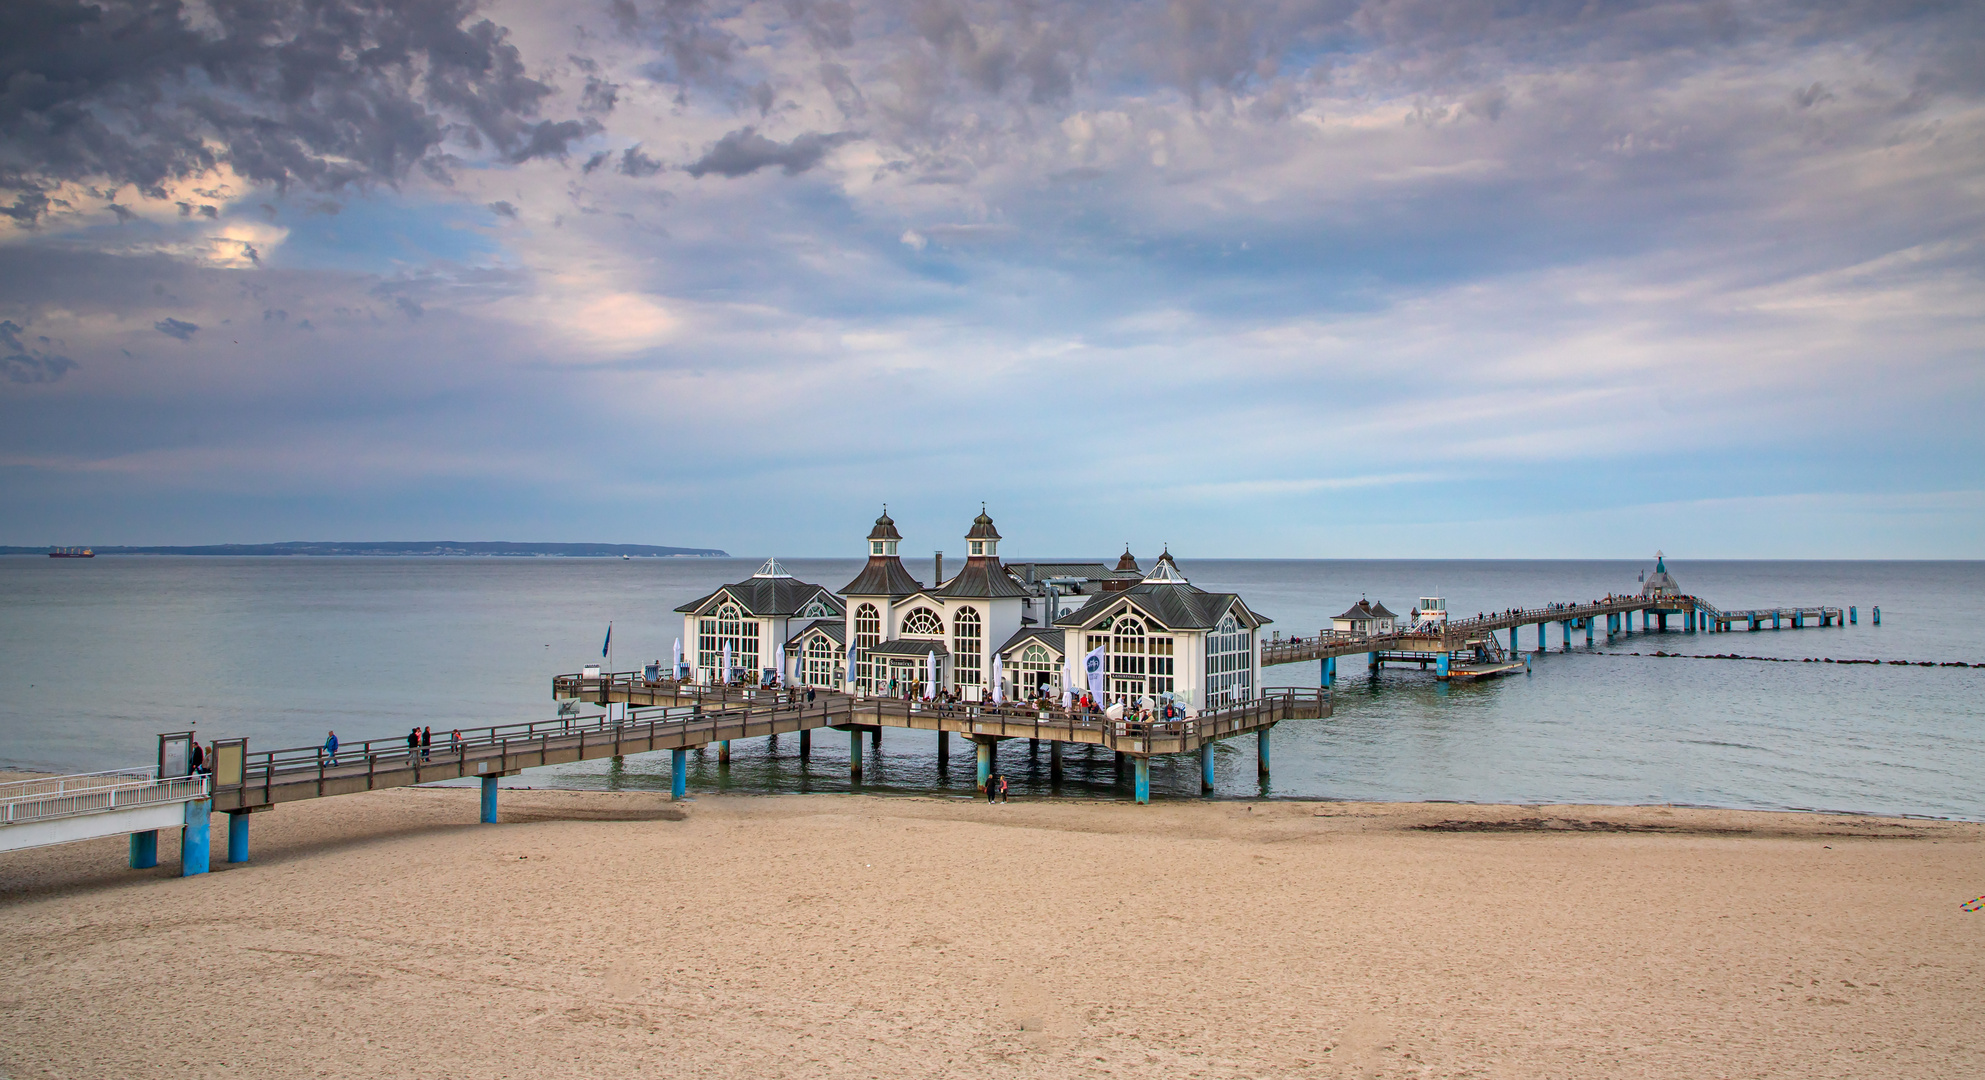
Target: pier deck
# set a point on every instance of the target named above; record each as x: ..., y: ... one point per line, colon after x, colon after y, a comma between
x: 691, y: 716
x: 1463, y: 635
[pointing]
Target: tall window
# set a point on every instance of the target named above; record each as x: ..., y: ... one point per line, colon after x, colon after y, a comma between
x: 868, y: 634
x: 923, y: 622
x: 728, y: 626
x: 967, y: 642
x: 1127, y: 658
x: 1229, y: 664
x: 821, y: 660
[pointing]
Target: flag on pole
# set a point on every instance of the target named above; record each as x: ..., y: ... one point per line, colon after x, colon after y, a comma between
x: 1093, y: 665
x: 608, y: 643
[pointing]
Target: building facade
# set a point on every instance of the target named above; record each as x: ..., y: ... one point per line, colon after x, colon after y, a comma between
x: 1166, y: 640
x: 750, y: 621
x: 904, y: 634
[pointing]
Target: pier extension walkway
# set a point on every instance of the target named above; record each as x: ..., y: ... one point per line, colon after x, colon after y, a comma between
x: 59, y: 809
x: 1442, y: 643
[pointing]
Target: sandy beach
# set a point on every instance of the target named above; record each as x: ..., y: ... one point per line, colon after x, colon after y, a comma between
x: 597, y: 934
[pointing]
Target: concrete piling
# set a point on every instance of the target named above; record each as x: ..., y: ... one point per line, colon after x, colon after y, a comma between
x: 144, y: 849
x: 196, y: 839
x: 489, y: 799
x: 237, y: 836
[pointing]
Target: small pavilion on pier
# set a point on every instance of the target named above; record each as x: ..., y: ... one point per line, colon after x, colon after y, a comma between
x: 752, y: 619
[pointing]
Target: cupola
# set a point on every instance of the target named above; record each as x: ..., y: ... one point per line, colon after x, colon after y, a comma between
x: 983, y: 541
x: 882, y: 539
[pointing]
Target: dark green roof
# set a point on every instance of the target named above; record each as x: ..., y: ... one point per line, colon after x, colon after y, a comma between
x: 771, y: 597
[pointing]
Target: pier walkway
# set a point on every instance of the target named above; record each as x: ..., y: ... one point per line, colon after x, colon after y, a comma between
x: 59, y: 809
x: 678, y: 717
x: 1440, y: 642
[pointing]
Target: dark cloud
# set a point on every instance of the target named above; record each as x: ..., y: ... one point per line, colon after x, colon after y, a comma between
x: 175, y: 328
x: 829, y: 24
x: 694, y: 49
x: 550, y: 138
x: 25, y: 363
x: 593, y: 163
x: 637, y: 164
x: 503, y: 208
x: 745, y: 151
x: 315, y: 93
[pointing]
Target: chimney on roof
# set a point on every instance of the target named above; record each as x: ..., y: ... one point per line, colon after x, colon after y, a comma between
x: 937, y: 574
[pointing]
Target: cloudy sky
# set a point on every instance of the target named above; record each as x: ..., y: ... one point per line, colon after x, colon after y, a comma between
x: 1285, y: 278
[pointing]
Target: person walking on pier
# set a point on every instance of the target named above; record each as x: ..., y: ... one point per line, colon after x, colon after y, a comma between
x: 426, y: 740
x: 331, y: 747
x: 413, y: 743
x: 455, y: 741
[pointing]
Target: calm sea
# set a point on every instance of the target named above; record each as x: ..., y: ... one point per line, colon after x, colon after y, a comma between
x: 98, y: 656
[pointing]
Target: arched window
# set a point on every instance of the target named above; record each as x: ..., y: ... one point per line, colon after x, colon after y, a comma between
x: 868, y: 634
x: 727, y: 626
x: 967, y: 643
x: 1035, y: 670
x: 1127, y: 658
x: 821, y: 660
x: 923, y: 622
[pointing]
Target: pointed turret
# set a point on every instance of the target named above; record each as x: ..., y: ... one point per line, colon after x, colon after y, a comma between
x: 983, y: 576
x: 884, y: 575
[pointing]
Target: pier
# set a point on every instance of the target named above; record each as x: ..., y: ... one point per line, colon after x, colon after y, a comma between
x: 681, y: 717
x: 1463, y: 648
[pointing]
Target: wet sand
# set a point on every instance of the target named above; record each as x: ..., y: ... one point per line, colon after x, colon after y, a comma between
x: 617, y: 935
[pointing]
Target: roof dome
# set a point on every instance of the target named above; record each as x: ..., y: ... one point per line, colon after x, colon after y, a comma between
x: 982, y: 527
x: 1128, y: 561
x: 885, y: 528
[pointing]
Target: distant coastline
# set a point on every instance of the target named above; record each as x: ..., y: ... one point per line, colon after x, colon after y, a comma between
x: 499, y: 548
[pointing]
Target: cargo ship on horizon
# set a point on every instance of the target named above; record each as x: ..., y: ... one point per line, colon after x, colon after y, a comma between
x: 71, y: 553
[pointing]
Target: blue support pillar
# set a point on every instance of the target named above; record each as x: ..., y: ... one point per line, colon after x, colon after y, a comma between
x: 1774, y: 619
x: 854, y: 753
x: 489, y: 800
x: 144, y: 849
x: 237, y: 835
x: 1588, y: 631
x: 679, y: 773
x: 1854, y: 616
x: 723, y: 752
x: 1440, y: 666
x: 1372, y: 661
x: 1878, y: 614
x: 985, y: 763
x: 1564, y: 631
x: 1143, y: 781
x: 1206, y: 767
x: 1329, y: 672
x: 1261, y: 751
x: 194, y: 846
